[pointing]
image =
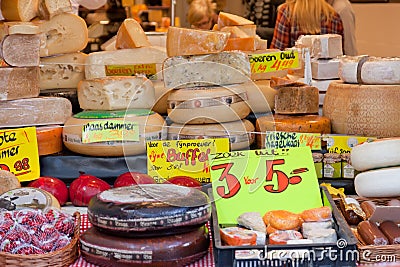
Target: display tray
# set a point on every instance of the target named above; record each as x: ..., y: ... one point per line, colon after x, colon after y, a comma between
x: 343, y: 253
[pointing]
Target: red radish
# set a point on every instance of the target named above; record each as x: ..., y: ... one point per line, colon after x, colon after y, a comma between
x: 184, y: 181
x: 54, y: 186
x: 133, y: 178
x: 84, y: 188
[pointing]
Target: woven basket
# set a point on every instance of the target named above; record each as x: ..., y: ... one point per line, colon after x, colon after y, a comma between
x: 60, y: 258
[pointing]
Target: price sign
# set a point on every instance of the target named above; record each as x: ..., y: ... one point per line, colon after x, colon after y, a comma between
x: 263, y: 180
x: 270, y: 62
x: 344, y: 144
x: 19, y: 153
x: 110, y: 130
x: 166, y: 159
x: 150, y: 70
x: 278, y: 139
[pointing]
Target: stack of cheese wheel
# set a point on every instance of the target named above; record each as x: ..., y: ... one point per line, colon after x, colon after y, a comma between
x: 379, y: 165
x: 147, y: 225
x: 207, y: 87
x: 365, y: 102
x: 114, y: 103
x: 22, y: 44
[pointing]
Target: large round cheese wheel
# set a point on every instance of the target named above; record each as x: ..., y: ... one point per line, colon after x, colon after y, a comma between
x: 150, y: 128
x: 240, y: 133
x: 378, y: 183
x: 49, y: 139
x: 207, y: 105
x: 365, y: 156
x: 168, y: 251
x: 28, y: 197
x: 367, y: 110
x: 149, y: 210
x: 290, y: 123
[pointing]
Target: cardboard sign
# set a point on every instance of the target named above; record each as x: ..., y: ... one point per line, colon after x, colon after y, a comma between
x: 278, y: 139
x: 19, y: 153
x: 166, y: 159
x: 263, y: 180
x: 110, y: 130
x: 344, y: 144
x: 270, y: 62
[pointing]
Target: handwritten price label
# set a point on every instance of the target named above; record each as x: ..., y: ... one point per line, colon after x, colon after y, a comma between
x: 270, y: 62
x: 150, y: 70
x: 278, y: 139
x: 263, y: 180
x: 19, y: 153
x: 110, y: 130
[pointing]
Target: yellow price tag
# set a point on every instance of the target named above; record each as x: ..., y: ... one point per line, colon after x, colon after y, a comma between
x: 270, y: 62
x: 19, y: 153
x: 110, y: 130
x: 341, y: 144
x: 150, y: 70
x: 278, y: 139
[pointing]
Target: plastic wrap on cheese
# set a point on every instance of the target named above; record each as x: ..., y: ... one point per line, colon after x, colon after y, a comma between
x: 322, y: 46
x: 370, y: 70
x: 214, y: 69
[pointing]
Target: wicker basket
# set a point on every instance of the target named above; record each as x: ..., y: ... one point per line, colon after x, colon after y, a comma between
x: 60, y: 258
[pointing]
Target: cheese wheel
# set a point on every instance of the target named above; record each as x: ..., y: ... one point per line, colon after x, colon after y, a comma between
x: 207, y: 105
x: 287, y: 123
x: 29, y: 197
x: 169, y: 251
x: 8, y: 181
x: 149, y: 210
x: 21, y: 10
x: 49, y: 139
x: 150, y: 128
x: 378, y: 183
x: 264, y: 103
x: 370, y: 70
x: 240, y: 133
x: 366, y: 110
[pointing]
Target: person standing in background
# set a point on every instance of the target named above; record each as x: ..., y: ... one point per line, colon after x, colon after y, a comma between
x: 202, y: 14
x: 346, y: 13
x: 302, y: 17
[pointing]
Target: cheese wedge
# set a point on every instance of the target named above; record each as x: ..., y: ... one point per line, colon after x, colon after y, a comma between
x: 17, y: 83
x: 64, y: 33
x: 18, y: 27
x: 186, y: 42
x: 19, y: 10
x: 227, y: 19
x: 131, y: 35
x: 50, y: 8
x: 21, y: 50
x: 240, y: 31
x: 242, y: 44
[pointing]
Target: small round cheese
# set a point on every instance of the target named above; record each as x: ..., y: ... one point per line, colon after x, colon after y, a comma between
x: 8, y: 181
x: 378, y: 183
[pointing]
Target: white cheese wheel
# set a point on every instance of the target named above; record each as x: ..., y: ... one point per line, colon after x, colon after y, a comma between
x: 370, y: 70
x: 378, y: 183
x: 367, y: 110
x: 365, y: 156
x: 8, y: 181
x: 150, y: 128
x: 207, y: 105
x: 118, y: 92
x: 240, y: 133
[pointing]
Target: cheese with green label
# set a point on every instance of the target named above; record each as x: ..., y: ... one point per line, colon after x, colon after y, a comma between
x: 112, y: 93
x: 213, y: 69
x: 17, y: 83
x: 123, y: 62
x: 62, y: 71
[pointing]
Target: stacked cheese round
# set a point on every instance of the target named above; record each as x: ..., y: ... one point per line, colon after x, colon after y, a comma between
x: 379, y: 164
x: 147, y: 225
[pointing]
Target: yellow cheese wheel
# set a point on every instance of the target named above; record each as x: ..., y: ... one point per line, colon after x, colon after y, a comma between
x: 200, y: 105
x: 20, y: 10
x: 49, y: 139
x: 150, y: 128
x: 240, y: 133
x: 367, y: 110
x: 291, y: 123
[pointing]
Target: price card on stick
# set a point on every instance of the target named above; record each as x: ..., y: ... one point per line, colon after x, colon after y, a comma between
x: 263, y: 180
x: 274, y: 61
x: 19, y: 153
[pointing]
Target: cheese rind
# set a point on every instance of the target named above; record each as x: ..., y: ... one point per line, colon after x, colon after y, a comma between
x: 21, y: 50
x: 62, y: 34
x: 98, y: 62
x: 62, y: 71
x: 35, y: 111
x: 19, y: 10
x: 17, y: 83
x: 297, y: 100
x: 213, y: 69
x: 188, y: 42
x: 131, y: 35
x: 50, y: 8
x: 112, y: 93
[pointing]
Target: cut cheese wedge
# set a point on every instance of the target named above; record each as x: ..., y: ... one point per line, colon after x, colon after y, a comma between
x: 378, y: 183
x: 240, y: 133
x: 131, y: 35
x: 49, y: 139
x: 18, y: 83
x: 50, y: 8
x: 364, y: 156
x: 21, y: 50
x: 150, y: 127
x: 227, y: 19
x: 19, y: 10
x: 297, y: 100
x: 207, y: 105
x: 113, y: 93
x: 241, y: 44
x: 62, y: 71
x: 187, y: 42
x: 64, y: 33
x: 18, y: 27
